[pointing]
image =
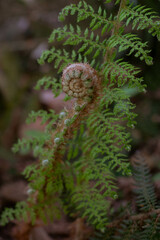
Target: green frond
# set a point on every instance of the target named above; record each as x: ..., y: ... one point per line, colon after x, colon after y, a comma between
x: 49, y: 83
x: 84, y: 11
x: 29, y: 170
x: 132, y: 42
x: 146, y: 198
x: 83, y: 179
x: 121, y: 73
x: 10, y: 214
x: 26, y: 144
x: 141, y: 18
x: 126, y: 231
x: 107, y: 138
x: 71, y: 36
x: 44, y: 115
x: 48, y: 118
x: 150, y: 231
x: 91, y: 203
x: 61, y: 58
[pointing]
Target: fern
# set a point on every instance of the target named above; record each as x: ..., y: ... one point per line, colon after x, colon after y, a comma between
x: 131, y: 41
x: 74, y: 37
x: 91, y: 139
x: 43, y: 114
x: 47, y: 83
x: 141, y: 18
x: 10, y: 214
x: 61, y: 58
x: 121, y: 73
x: 146, y: 198
x: 143, y: 225
x: 26, y: 144
x: 84, y: 11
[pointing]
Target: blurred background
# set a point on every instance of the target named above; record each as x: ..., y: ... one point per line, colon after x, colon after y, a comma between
x: 25, y: 26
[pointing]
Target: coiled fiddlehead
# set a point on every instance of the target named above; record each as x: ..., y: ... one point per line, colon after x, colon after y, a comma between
x: 79, y: 80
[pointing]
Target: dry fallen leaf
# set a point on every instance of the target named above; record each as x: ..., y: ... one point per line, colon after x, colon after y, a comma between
x: 25, y: 128
x: 79, y: 230
x: 47, y: 98
x: 39, y: 233
x: 13, y: 191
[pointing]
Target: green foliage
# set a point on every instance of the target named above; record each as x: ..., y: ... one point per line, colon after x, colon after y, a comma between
x: 146, y: 198
x: 10, y: 214
x: 144, y: 225
x: 24, y: 145
x: 45, y: 116
x: 47, y: 83
x: 133, y: 42
x: 48, y: 118
x: 121, y: 73
x: 71, y: 36
x: 142, y: 18
x: 61, y: 58
x: 90, y: 157
x: 84, y: 11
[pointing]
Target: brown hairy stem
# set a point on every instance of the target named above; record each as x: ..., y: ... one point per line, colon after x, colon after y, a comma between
x: 86, y: 73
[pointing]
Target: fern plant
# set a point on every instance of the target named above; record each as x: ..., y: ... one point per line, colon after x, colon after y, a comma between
x: 143, y: 222
x: 84, y: 146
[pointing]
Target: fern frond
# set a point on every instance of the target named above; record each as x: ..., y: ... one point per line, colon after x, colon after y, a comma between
x: 121, y: 73
x: 146, y: 198
x: 132, y: 41
x: 24, y: 145
x: 149, y: 231
x: 89, y: 41
x: 92, y: 205
x: 10, y: 214
x: 106, y: 137
x: 29, y: 170
x: 61, y: 58
x: 126, y: 231
x: 44, y: 115
x: 84, y: 11
x: 49, y: 83
x: 49, y: 118
x: 142, y: 18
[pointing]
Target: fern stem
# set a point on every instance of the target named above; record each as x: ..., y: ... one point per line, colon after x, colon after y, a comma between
x: 110, y: 52
x: 121, y: 7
